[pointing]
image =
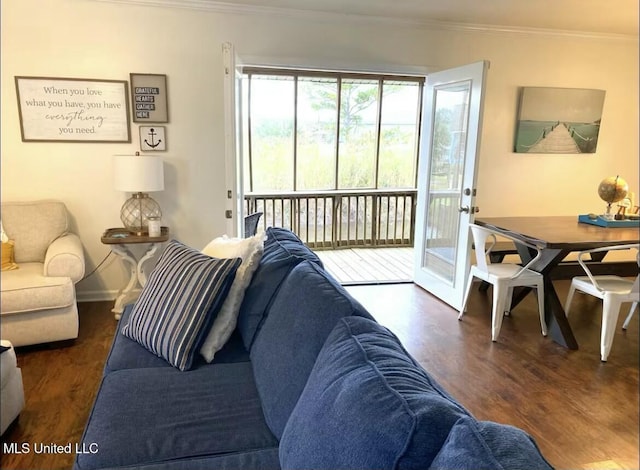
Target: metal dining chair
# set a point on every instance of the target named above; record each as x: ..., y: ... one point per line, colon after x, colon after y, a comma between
x: 612, y: 290
x: 251, y: 224
x: 504, y: 277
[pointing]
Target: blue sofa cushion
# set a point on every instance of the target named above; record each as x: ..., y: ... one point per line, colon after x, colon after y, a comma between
x: 179, y: 302
x: 262, y: 459
x: 304, y: 312
x: 126, y: 353
x: 282, y: 251
x: 367, y: 405
x: 150, y: 416
x: 481, y: 445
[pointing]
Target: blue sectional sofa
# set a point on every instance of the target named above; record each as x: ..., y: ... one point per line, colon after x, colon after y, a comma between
x: 308, y: 380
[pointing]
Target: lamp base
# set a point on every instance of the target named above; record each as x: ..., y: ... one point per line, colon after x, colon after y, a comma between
x: 137, y: 210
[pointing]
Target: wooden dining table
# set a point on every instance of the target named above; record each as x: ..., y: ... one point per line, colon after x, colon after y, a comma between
x: 557, y: 236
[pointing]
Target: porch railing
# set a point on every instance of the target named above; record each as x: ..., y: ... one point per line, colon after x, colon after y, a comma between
x: 336, y: 219
x: 442, y: 229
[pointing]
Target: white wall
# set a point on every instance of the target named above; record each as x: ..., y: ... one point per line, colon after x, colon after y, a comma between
x: 88, y: 39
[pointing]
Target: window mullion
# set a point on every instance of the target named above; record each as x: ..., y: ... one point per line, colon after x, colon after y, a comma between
x: 295, y: 133
x: 250, y: 150
x: 338, y: 109
x: 418, y: 133
x: 378, y: 131
x: 329, y: 74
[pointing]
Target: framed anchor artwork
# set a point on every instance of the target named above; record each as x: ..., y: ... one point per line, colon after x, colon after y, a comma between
x: 152, y: 138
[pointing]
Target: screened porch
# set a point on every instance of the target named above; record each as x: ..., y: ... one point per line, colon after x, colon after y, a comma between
x: 362, y: 236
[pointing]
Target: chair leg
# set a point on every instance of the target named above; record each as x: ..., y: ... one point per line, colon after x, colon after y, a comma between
x: 507, y: 304
x: 567, y: 304
x: 466, y: 297
x: 543, y: 321
x: 610, y: 311
x: 628, y: 319
x: 499, y: 303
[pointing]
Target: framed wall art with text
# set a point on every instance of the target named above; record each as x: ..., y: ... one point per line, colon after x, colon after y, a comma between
x: 73, y: 110
x: 149, y: 97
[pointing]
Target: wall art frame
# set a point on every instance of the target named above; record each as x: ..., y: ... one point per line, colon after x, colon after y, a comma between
x: 55, y: 109
x: 152, y: 138
x: 149, y: 97
x: 558, y: 120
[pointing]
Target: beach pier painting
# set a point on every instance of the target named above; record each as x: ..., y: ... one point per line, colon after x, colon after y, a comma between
x: 558, y: 120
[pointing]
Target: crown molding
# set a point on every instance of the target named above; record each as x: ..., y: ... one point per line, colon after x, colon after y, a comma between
x: 257, y: 10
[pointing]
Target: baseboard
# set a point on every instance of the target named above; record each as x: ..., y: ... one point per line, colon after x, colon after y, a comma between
x: 103, y: 295
x: 96, y: 296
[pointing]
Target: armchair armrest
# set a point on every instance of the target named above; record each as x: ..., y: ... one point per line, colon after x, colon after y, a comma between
x: 65, y: 258
x: 531, y: 246
x: 586, y: 269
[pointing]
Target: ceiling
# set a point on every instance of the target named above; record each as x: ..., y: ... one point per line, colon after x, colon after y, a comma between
x: 613, y: 17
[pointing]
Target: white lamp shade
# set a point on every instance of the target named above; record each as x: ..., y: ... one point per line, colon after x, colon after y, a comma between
x: 138, y: 173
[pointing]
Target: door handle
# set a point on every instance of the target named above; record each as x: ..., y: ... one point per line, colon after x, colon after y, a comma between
x: 467, y: 209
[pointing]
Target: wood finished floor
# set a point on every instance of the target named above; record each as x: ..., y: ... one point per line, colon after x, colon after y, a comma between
x: 582, y: 413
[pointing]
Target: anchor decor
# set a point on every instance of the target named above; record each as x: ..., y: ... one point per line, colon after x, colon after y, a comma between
x: 152, y: 138
x: 152, y: 134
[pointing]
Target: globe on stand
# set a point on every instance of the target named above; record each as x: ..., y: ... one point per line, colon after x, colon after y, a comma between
x: 612, y: 189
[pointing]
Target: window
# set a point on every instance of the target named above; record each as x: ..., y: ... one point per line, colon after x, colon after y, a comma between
x: 308, y: 130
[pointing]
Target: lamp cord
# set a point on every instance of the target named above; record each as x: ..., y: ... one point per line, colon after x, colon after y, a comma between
x: 97, y: 267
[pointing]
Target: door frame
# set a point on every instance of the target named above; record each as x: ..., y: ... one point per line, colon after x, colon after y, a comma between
x: 234, y: 197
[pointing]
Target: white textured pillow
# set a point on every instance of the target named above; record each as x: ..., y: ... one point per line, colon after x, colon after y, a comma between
x: 3, y: 236
x: 250, y: 250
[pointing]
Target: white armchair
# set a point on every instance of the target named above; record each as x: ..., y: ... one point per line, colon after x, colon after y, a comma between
x: 612, y: 290
x: 38, y: 300
x: 11, y: 391
x: 504, y: 277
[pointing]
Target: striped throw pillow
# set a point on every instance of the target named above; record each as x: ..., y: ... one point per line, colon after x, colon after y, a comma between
x: 179, y: 303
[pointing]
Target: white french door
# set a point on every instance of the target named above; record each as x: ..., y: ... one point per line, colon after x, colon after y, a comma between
x: 450, y: 143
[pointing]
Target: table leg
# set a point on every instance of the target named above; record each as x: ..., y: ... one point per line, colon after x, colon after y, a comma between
x: 126, y: 293
x: 557, y: 322
x: 519, y: 293
x: 141, y: 274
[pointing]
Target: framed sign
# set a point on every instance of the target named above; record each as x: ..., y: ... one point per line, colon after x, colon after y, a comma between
x: 73, y: 110
x: 149, y: 97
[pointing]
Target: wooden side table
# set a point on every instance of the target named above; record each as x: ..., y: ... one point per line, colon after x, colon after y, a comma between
x: 120, y: 241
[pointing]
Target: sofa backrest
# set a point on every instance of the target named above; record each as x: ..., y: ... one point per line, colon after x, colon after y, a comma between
x: 369, y: 405
x: 283, y: 250
x: 33, y: 226
x: 305, y: 310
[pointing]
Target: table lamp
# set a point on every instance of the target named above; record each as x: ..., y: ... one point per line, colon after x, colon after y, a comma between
x: 138, y: 174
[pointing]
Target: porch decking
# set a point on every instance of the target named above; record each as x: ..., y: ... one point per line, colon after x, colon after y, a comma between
x: 354, y: 266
